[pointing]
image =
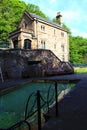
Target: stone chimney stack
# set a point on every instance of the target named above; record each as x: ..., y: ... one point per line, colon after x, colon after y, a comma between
x: 59, y: 18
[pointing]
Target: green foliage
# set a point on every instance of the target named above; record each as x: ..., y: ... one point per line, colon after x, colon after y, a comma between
x: 54, y: 20
x: 67, y: 28
x: 4, y: 44
x: 80, y: 70
x: 11, y: 12
x: 78, y: 50
x: 35, y: 9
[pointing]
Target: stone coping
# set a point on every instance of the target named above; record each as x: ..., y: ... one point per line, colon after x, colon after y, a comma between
x: 11, y: 84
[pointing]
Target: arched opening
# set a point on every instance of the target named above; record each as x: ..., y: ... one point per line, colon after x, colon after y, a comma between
x: 27, y: 44
x: 15, y: 42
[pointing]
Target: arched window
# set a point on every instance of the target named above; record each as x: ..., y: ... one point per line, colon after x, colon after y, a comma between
x: 24, y: 25
x: 27, y: 44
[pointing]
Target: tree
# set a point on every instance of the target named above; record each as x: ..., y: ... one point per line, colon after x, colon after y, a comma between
x: 10, y: 14
x: 36, y: 9
x: 67, y: 28
x: 78, y: 50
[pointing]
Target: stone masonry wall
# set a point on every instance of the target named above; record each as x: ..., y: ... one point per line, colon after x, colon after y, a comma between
x: 19, y: 63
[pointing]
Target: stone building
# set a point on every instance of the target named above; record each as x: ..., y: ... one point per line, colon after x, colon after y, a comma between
x: 35, y: 32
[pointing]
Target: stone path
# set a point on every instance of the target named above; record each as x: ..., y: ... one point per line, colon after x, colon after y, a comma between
x: 72, y: 108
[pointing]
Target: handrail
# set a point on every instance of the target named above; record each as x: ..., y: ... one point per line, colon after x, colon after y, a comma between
x: 1, y: 75
x: 38, y: 99
x: 68, y: 68
x: 26, y: 109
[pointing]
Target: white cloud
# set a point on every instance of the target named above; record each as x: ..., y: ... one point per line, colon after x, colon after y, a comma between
x: 52, y: 1
x: 70, y: 15
x: 74, y: 31
x: 78, y: 32
x: 84, y: 34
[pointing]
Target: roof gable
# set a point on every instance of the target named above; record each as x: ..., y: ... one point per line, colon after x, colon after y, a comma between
x: 26, y: 18
x: 34, y: 16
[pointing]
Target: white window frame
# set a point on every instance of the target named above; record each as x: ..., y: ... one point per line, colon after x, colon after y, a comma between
x: 43, y: 28
x: 43, y: 44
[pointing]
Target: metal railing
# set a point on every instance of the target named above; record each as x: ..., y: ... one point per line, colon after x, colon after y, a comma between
x: 38, y: 104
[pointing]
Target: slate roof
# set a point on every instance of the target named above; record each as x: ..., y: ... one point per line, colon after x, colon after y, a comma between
x: 46, y: 20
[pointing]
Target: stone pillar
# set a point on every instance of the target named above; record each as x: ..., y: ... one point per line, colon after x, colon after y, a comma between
x: 21, y: 40
x: 11, y: 45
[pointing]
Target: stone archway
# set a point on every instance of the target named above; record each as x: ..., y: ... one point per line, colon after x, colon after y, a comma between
x: 27, y: 44
x: 15, y: 43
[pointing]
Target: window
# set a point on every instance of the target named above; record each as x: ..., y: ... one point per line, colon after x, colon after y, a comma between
x: 62, y: 34
x: 42, y: 28
x: 27, y: 44
x: 24, y: 25
x: 43, y: 44
x: 62, y: 47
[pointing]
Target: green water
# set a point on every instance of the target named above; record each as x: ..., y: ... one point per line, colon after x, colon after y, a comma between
x: 13, y: 104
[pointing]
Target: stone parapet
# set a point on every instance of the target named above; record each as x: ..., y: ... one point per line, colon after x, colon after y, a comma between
x: 20, y: 63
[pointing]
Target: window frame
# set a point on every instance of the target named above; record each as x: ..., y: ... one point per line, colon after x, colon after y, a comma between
x: 43, y: 44
x: 62, y: 34
x: 42, y: 28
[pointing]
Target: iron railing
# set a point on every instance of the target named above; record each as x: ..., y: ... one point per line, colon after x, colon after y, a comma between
x: 38, y: 104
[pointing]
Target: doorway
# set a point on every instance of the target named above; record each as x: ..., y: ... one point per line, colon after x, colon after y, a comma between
x: 27, y: 44
x: 15, y: 42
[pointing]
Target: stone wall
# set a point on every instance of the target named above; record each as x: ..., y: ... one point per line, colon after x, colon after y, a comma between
x: 20, y: 63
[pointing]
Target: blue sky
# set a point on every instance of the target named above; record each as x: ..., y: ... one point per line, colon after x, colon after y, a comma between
x: 73, y: 13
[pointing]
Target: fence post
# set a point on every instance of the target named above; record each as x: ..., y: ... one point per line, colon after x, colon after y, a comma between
x: 1, y: 75
x: 56, y: 106
x: 38, y: 110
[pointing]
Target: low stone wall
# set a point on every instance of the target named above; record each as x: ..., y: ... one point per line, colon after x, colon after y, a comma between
x: 20, y: 63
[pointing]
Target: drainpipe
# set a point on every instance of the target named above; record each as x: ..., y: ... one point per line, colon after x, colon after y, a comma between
x: 37, y: 32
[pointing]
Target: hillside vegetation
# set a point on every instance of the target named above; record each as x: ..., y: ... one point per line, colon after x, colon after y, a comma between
x: 11, y: 12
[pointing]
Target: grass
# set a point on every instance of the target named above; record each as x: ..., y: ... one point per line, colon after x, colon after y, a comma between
x: 80, y: 69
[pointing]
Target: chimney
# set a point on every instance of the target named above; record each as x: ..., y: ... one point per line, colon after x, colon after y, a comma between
x: 59, y: 18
